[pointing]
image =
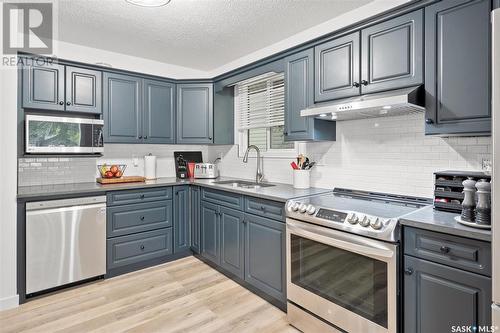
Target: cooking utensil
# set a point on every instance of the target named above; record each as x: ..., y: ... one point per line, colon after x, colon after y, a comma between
x: 294, y: 166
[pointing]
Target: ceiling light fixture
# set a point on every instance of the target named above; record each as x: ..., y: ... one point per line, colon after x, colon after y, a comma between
x: 148, y: 3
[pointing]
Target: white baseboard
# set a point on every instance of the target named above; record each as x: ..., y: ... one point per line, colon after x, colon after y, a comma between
x: 9, y: 302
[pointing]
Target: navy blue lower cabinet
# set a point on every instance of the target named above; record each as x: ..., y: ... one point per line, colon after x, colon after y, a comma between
x: 232, y: 240
x: 438, y: 297
x: 265, y: 255
x: 210, y: 232
x: 182, y: 230
x: 195, y: 218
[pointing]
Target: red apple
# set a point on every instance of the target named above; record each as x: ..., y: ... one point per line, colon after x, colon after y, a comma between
x: 108, y: 174
x: 114, y: 169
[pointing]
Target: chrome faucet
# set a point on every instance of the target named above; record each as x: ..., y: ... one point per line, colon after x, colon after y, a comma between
x: 259, y: 176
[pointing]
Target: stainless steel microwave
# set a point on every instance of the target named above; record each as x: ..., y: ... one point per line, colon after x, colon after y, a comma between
x: 63, y: 135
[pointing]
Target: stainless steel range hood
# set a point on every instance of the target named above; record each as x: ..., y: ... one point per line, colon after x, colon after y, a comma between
x: 389, y: 103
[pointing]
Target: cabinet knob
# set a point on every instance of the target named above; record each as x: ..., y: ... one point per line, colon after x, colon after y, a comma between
x: 142, y: 196
x: 285, y: 133
x: 61, y: 103
x: 146, y: 137
x: 355, y: 84
x: 429, y: 121
x: 364, y: 82
x: 409, y: 271
x: 140, y: 136
x: 209, y: 138
x: 142, y: 247
x: 444, y: 249
x: 68, y: 103
x: 245, y: 221
x: 142, y: 218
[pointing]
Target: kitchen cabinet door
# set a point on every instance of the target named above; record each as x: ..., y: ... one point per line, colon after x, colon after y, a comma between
x: 337, y: 68
x: 195, y: 218
x: 43, y: 87
x: 195, y: 113
x: 158, y: 124
x: 437, y: 297
x: 232, y: 240
x: 122, y: 108
x: 210, y: 232
x: 392, y: 53
x: 83, y: 90
x: 265, y: 255
x: 457, y: 67
x: 299, y: 94
x: 182, y: 229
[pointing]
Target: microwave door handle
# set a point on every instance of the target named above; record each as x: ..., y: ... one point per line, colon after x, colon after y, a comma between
x: 352, y: 243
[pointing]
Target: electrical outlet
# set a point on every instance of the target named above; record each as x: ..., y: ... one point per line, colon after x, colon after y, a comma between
x: 486, y: 164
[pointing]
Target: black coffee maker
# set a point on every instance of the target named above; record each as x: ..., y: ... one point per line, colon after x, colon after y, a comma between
x: 182, y: 158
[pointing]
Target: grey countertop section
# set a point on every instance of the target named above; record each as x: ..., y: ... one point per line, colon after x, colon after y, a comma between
x: 279, y: 192
x: 430, y: 219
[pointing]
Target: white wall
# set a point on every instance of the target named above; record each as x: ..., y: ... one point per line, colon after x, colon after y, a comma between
x: 384, y: 154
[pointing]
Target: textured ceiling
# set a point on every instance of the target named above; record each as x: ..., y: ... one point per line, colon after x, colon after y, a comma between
x: 199, y: 34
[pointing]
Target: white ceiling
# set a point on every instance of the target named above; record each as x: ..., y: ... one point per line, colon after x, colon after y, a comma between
x: 199, y: 34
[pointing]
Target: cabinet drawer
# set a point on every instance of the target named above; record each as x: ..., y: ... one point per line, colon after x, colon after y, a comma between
x: 129, y: 219
x: 137, y: 196
x: 131, y: 249
x: 464, y: 253
x: 266, y: 208
x: 229, y: 199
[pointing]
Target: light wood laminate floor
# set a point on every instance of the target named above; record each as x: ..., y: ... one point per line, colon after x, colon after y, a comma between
x: 181, y: 296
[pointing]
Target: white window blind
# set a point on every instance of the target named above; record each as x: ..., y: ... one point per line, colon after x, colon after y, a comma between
x: 261, y: 102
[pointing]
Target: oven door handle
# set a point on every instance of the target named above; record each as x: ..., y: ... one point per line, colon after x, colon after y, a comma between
x: 349, y: 242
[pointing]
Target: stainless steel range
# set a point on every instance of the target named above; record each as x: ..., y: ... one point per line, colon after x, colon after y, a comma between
x: 342, y: 260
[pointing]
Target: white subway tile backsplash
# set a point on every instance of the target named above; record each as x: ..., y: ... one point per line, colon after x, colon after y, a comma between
x: 385, y: 154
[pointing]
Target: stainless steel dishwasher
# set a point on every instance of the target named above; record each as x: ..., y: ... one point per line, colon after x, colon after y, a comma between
x: 65, y: 241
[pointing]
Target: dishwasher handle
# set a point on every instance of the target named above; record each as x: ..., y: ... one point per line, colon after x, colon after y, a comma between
x: 49, y: 204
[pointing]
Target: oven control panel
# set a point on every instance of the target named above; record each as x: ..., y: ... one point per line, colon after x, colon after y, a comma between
x: 354, y: 219
x: 331, y: 215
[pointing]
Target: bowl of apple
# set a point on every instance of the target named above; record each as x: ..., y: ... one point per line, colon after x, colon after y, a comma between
x: 111, y: 171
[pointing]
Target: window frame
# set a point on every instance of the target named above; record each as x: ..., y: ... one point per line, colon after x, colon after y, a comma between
x: 241, y: 138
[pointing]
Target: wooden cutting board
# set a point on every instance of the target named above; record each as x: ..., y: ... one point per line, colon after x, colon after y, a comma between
x: 124, y: 179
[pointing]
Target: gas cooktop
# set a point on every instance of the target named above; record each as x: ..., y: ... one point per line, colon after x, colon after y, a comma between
x: 369, y: 214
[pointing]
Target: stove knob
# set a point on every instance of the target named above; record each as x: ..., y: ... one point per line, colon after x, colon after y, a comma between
x: 376, y: 223
x: 352, y: 218
x: 295, y: 206
x: 310, y: 209
x: 302, y: 208
x: 289, y: 206
x: 364, y: 221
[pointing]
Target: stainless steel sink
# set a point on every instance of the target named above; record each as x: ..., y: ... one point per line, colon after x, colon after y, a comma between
x: 243, y: 183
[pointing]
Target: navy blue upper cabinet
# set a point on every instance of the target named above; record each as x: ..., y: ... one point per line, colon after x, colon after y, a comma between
x: 337, y: 68
x: 43, y: 87
x: 195, y: 113
x: 83, y: 90
x: 158, y: 122
x: 392, y: 53
x: 122, y: 108
x: 457, y: 67
x: 182, y: 227
x: 299, y: 94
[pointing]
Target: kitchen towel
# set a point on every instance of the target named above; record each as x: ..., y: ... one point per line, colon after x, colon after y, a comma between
x: 150, y: 166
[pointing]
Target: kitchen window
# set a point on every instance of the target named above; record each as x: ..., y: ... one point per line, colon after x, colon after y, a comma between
x: 260, y: 115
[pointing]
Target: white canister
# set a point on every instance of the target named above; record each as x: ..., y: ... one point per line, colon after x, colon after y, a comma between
x: 301, y: 178
x: 150, y: 166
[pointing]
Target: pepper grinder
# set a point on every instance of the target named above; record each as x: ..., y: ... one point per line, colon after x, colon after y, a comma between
x: 469, y: 201
x: 483, y: 206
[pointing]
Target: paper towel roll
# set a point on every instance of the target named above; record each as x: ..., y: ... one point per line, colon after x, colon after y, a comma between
x: 150, y: 167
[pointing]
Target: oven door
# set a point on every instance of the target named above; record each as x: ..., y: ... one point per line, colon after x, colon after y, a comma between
x: 56, y: 135
x: 348, y: 280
